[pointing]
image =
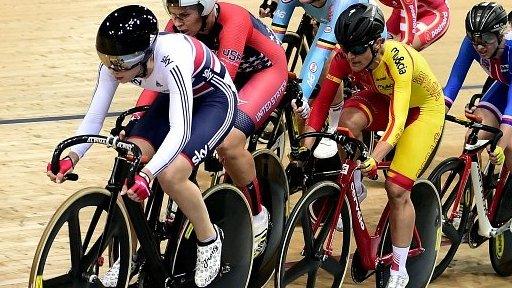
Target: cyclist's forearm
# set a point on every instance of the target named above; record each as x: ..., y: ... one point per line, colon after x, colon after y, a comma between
x: 381, y: 150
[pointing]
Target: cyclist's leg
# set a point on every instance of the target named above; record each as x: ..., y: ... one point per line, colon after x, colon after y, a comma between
x: 212, y: 118
x: 413, y: 151
x: 259, y: 96
x: 432, y: 24
x: 364, y: 110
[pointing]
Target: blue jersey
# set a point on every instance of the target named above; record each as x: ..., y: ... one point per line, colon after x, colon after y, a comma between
x: 497, y: 69
x: 324, y: 41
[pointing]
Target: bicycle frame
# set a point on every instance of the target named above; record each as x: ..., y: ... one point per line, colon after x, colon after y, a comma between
x: 485, y: 212
x: 123, y: 169
x: 473, y: 173
x: 367, y: 243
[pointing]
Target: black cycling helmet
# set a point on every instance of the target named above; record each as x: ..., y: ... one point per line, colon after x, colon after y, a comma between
x: 126, y: 37
x: 486, y: 17
x: 359, y: 25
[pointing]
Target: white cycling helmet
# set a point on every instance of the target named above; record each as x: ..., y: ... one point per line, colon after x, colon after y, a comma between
x: 207, y: 4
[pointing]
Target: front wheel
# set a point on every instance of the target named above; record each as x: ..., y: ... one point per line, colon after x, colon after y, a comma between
x: 302, y: 257
x: 69, y: 252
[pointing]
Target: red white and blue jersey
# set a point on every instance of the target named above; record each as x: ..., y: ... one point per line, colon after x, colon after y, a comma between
x: 184, y: 68
x: 241, y: 41
x: 496, y: 68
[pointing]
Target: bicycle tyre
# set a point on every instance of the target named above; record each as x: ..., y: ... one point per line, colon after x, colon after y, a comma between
x: 454, y: 167
x: 428, y: 225
x: 237, y: 248
x: 300, y: 212
x: 500, y: 247
x: 275, y: 142
x: 88, y: 197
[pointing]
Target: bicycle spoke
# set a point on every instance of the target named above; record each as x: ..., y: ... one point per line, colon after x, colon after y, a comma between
x: 332, y: 266
x: 312, y: 278
x: 300, y: 268
x: 95, y: 250
x: 307, y: 234
x: 63, y: 281
x: 92, y: 227
x: 450, y: 232
x: 324, y: 232
x: 75, y: 242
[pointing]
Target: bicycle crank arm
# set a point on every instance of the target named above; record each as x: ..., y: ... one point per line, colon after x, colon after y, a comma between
x: 498, y: 231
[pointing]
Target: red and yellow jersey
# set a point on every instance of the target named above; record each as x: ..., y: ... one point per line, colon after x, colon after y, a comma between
x: 403, y: 75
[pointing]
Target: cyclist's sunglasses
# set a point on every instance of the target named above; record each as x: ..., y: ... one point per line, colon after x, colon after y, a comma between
x: 482, y: 38
x: 357, y: 49
x: 121, y: 63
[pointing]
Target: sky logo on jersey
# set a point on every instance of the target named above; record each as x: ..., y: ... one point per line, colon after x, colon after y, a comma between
x: 200, y: 155
x: 166, y: 60
x: 207, y: 73
x: 136, y: 81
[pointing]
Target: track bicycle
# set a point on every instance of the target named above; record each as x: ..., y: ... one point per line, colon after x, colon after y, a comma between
x: 312, y: 247
x: 460, y: 181
x: 92, y: 228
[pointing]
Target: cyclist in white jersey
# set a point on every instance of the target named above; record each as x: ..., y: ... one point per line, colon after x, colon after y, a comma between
x: 184, y: 125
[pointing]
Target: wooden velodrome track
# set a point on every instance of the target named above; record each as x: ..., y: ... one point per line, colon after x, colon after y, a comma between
x: 48, y: 68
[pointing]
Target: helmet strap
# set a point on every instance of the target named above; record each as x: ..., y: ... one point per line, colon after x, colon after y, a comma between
x: 500, y: 40
x: 143, y: 70
x: 374, y: 54
x: 205, y: 18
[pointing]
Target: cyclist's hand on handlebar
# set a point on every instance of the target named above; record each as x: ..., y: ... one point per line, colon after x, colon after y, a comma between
x: 497, y: 157
x: 303, y: 110
x: 267, y: 10
x: 469, y: 110
x: 369, y: 168
x: 66, y: 165
x: 139, y: 190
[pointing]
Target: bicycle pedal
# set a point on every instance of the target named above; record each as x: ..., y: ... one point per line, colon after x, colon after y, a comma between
x: 475, y: 239
x: 358, y: 274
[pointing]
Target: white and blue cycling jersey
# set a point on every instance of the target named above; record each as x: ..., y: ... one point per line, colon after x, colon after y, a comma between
x: 325, y: 40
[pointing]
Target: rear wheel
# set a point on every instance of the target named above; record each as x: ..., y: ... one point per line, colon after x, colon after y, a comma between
x: 428, y: 228
x: 500, y: 247
x: 229, y: 210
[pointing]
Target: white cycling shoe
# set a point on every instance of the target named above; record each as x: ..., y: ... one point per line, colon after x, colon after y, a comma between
x: 398, y: 281
x: 208, y: 260
x: 327, y: 148
x: 260, y: 229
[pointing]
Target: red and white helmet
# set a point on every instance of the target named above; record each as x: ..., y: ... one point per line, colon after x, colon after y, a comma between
x: 207, y: 4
